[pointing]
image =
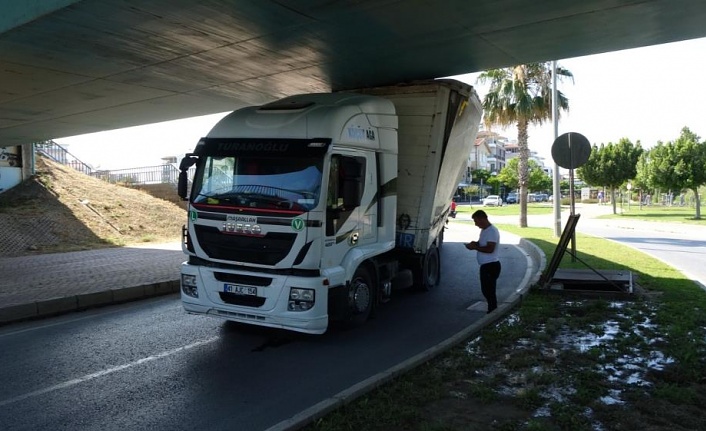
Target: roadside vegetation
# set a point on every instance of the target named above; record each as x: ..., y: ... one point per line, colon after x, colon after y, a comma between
x: 669, y: 172
x: 561, y: 361
x: 635, y: 211
x: 659, y: 213
x: 519, y: 96
x: 532, y: 209
x: 675, y: 168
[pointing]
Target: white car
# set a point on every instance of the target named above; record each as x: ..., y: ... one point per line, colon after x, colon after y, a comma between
x: 493, y: 201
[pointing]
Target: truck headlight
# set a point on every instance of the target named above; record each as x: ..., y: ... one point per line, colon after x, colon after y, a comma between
x: 301, y: 299
x: 188, y: 285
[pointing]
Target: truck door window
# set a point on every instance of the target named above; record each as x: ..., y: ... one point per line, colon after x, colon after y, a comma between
x: 218, y: 177
x: 345, y: 189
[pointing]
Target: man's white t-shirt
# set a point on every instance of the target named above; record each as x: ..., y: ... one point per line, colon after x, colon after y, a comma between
x: 489, y: 234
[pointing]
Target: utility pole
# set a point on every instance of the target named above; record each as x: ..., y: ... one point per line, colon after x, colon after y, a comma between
x: 556, y: 178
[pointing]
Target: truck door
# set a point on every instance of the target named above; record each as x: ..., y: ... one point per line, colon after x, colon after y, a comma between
x: 350, y: 210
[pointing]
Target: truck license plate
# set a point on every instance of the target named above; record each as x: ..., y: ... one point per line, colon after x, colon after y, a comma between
x: 240, y: 290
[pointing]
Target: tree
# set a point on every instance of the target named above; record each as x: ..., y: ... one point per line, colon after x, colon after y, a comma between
x: 481, y: 177
x: 642, y: 179
x: 508, y: 174
x: 478, y: 174
x: 470, y: 190
x: 522, y: 95
x: 537, y: 179
x: 678, y: 165
x: 690, y: 166
x: 611, y: 165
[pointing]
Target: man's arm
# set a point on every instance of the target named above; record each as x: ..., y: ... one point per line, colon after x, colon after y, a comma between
x: 488, y: 248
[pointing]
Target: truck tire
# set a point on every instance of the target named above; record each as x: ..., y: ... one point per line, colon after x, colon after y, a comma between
x: 361, y: 297
x: 431, y: 269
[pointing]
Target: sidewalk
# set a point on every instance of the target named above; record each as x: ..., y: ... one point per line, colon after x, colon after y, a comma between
x: 50, y: 284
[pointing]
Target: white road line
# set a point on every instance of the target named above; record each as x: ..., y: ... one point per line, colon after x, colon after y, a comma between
x: 477, y: 306
x: 105, y: 372
x: 90, y: 314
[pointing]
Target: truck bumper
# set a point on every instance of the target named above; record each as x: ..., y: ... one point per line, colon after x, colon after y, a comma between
x: 273, y: 312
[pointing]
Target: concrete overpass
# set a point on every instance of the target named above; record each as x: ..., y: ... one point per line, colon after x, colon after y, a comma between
x: 70, y: 67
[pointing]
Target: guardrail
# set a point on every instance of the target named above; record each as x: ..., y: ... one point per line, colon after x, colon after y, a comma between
x: 159, y: 174
x: 61, y: 155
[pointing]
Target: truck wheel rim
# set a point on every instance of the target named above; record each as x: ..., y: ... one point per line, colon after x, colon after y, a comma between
x: 361, y: 296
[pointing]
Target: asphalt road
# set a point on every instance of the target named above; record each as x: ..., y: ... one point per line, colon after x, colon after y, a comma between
x: 683, y: 249
x: 150, y: 366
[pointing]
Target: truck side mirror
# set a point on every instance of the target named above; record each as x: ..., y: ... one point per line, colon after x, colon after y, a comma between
x: 188, y: 161
x: 182, y: 185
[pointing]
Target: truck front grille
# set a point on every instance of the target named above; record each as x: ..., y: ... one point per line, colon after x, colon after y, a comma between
x: 265, y: 250
x: 244, y: 300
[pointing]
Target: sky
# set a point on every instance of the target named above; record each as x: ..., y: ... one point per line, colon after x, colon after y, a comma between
x: 644, y: 94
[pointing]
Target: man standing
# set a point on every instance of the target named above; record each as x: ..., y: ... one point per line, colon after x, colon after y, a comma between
x: 487, y: 256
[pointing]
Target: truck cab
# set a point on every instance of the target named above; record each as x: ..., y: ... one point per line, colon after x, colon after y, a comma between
x: 283, y: 214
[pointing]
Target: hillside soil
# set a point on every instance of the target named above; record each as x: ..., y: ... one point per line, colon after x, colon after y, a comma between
x: 59, y: 209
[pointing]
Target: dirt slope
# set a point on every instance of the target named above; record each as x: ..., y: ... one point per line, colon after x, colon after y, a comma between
x: 60, y: 209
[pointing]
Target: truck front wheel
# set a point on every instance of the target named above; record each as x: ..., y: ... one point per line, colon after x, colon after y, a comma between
x: 361, y: 297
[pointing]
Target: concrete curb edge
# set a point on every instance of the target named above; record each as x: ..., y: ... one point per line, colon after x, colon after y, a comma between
x: 536, y: 264
x: 56, y: 306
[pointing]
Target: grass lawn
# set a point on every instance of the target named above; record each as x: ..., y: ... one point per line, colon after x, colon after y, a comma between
x: 561, y: 362
x: 664, y: 214
x: 533, y: 208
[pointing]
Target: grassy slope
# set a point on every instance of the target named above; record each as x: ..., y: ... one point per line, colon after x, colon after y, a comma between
x: 60, y: 209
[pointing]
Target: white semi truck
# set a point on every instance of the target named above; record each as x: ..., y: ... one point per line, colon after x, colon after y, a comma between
x: 314, y: 208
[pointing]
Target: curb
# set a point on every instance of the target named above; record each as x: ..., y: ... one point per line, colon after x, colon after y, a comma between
x: 536, y: 263
x: 56, y: 306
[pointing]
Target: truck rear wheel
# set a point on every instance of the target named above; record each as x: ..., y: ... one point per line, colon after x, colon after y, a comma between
x: 431, y: 269
x: 361, y: 297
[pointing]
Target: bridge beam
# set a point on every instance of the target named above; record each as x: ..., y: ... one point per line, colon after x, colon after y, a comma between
x: 17, y: 13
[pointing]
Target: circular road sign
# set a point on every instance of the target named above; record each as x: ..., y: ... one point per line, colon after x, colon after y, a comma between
x: 571, y: 150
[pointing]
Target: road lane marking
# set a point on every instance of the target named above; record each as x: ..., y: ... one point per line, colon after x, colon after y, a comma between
x: 477, y: 306
x: 90, y: 314
x: 105, y: 372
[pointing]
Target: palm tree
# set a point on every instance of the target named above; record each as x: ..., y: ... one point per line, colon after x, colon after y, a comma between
x: 521, y: 95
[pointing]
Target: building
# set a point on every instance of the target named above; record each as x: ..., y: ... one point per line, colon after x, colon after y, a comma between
x: 512, y: 150
x: 487, y: 154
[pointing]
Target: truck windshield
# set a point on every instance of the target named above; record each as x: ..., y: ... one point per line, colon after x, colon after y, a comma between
x: 259, y: 183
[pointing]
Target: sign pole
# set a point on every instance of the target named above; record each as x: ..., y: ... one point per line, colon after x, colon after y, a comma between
x: 570, y: 151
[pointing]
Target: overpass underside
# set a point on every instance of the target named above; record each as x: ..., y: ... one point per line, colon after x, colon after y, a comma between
x: 72, y: 67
